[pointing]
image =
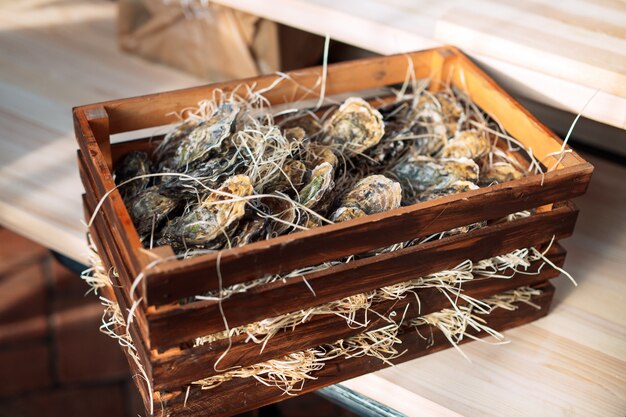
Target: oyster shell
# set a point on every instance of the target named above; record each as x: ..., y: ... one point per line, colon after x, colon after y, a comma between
x: 281, y: 209
x: 213, y: 216
x: 205, y: 137
x: 453, y: 188
x: 164, y: 153
x: 134, y: 164
x: 451, y: 110
x: 317, y: 154
x: 294, y: 134
x: 292, y: 177
x: 470, y: 144
x: 355, y: 126
x: 499, y: 172
x: 149, y: 208
x: 373, y: 194
x: 249, y: 231
x: 419, y: 173
x: 319, y: 185
x: 305, y: 120
x: 210, y: 173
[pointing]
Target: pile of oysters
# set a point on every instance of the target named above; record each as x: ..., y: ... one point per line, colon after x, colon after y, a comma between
x: 240, y: 174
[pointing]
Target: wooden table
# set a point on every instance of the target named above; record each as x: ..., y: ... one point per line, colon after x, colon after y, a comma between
x: 555, y: 53
x: 54, y: 55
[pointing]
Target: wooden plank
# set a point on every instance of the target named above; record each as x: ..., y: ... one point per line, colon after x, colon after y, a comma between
x: 139, y: 327
x: 176, y: 367
x: 172, y: 323
x: 517, y: 121
x: 173, y: 280
x: 102, y: 181
x: 242, y: 395
x: 111, y: 235
x: 521, y: 64
x: 135, y: 328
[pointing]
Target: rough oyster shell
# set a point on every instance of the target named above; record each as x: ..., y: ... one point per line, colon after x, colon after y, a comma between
x: 148, y: 209
x: 249, y: 231
x: 355, y: 126
x: 283, y: 210
x: 499, y: 172
x: 373, y: 194
x: 305, y: 120
x: 470, y: 144
x: 419, y: 173
x: 290, y: 178
x: 164, y: 153
x: 451, y: 110
x: 320, y: 183
x: 317, y: 154
x: 210, y: 173
x: 134, y: 164
x: 214, y: 216
x: 453, y: 188
x: 205, y: 137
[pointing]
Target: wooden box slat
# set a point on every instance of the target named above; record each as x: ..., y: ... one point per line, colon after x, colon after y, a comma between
x: 176, y: 367
x: 227, y: 399
x: 176, y: 323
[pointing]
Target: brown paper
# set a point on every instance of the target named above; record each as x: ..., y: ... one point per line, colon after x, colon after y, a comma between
x: 211, y: 41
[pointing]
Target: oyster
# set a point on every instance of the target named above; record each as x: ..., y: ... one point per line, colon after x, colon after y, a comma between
x: 428, y: 128
x: 451, y: 110
x: 148, y: 209
x: 305, y: 120
x: 282, y: 210
x: 321, y: 182
x: 419, y: 173
x: 291, y: 177
x: 209, y: 174
x: 317, y: 154
x: 205, y: 137
x: 373, y: 194
x: 164, y: 153
x: 134, y: 164
x: 213, y: 216
x: 453, y: 188
x: 294, y: 134
x: 499, y: 172
x: 249, y: 231
x: 355, y: 126
x: 470, y: 144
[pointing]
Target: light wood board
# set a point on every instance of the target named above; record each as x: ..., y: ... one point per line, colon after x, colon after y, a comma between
x: 556, y: 53
x: 53, y: 56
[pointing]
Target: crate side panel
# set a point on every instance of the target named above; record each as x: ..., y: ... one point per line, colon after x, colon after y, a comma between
x: 177, y: 367
x: 177, y: 323
x: 238, y: 396
x: 171, y: 281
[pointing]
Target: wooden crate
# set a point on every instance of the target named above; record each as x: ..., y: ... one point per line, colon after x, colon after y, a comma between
x: 162, y: 326
x: 172, y: 371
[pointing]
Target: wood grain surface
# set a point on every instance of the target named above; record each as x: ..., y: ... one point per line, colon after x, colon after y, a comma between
x: 556, y: 53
